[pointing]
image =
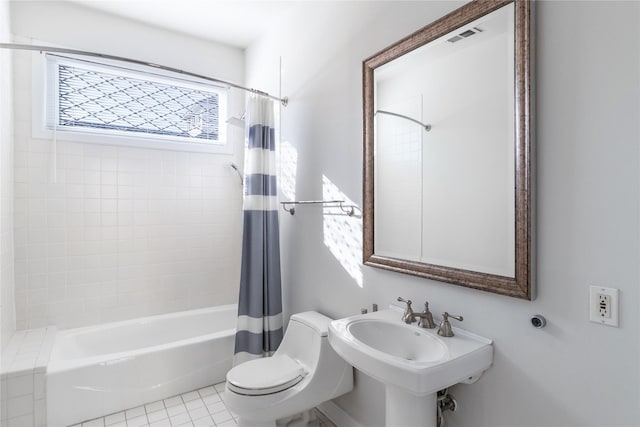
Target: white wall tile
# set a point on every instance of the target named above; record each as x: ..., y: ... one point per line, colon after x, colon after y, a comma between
x: 22, y: 421
x: 111, y: 191
x: 91, y: 191
x: 19, y: 406
x: 40, y: 413
x: 107, y: 240
x: 39, y: 386
x: 20, y: 386
x: 105, y: 244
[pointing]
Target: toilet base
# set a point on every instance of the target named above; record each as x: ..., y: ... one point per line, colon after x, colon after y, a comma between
x: 304, y: 419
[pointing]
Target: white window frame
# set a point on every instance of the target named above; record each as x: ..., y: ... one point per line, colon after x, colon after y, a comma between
x: 45, y: 104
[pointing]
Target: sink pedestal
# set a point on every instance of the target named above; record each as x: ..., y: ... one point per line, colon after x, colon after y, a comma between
x: 404, y: 409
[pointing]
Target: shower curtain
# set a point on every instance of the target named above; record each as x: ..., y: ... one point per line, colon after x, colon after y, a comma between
x: 259, y: 329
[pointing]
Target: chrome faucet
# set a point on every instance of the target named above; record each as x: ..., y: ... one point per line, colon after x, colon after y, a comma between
x: 445, y: 327
x: 407, y: 316
x: 426, y: 318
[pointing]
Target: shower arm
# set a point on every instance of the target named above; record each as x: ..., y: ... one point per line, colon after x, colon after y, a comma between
x: 284, y: 100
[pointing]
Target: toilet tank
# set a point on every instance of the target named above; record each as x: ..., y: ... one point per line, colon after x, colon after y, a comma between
x: 305, y: 337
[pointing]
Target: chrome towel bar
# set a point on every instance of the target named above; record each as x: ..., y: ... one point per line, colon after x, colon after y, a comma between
x: 349, y: 210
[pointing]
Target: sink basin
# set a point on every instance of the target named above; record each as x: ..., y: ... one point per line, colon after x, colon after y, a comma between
x: 415, y: 359
x: 396, y: 340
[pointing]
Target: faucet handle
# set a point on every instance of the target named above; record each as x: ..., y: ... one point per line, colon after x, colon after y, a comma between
x: 407, y: 316
x: 426, y: 319
x: 446, y: 315
x: 445, y: 327
x: 407, y: 301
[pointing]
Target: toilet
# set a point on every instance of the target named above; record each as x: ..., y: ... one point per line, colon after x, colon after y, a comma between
x: 303, y: 372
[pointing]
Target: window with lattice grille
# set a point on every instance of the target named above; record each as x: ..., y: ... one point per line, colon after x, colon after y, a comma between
x: 108, y: 99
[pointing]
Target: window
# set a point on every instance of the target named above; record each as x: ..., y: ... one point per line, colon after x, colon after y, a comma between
x: 109, y: 100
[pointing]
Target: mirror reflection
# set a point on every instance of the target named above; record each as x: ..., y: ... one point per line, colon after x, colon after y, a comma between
x: 444, y: 150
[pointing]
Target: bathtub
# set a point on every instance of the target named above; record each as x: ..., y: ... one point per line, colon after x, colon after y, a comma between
x: 102, y: 369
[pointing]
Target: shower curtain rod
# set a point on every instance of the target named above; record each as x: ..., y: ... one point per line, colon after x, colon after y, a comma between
x: 284, y: 100
x: 402, y: 116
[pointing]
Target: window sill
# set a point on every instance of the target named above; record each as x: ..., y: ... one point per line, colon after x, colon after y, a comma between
x: 131, y: 142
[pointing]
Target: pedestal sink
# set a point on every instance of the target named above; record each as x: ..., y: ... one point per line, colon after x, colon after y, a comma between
x: 413, y: 363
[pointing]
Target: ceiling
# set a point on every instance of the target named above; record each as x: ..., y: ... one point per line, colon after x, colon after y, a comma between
x: 234, y: 22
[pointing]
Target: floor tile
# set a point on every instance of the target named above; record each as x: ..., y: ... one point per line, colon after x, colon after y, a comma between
x: 220, y: 417
x: 187, y: 424
x: 137, y: 421
x: 216, y: 407
x: 211, y: 399
x: 155, y: 406
x: 194, y: 404
x: 173, y: 401
x: 99, y: 422
x: 198, y: 413
x: 157, y: 415
x: 204, y: 422
x: 207, y: 391
x: 161, y: 423
x: 229, y: 423
x: 135, y: 412
x: 175, y: 410
x: 119, y: 424
x: 180, y: 419
x: 190, y: 396
x: 114, y: 418
x: 219, y: 387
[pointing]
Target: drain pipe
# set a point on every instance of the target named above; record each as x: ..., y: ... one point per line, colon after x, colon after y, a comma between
x: 446, y: 402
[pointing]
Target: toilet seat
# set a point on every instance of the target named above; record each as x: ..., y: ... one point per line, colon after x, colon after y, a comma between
x: 265, y: 376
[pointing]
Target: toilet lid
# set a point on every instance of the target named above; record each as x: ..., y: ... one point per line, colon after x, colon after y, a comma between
x: 265, y: 376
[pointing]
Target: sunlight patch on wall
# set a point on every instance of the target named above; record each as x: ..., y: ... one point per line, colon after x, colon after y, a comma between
x: 342, y: 233
x: 288, y: 168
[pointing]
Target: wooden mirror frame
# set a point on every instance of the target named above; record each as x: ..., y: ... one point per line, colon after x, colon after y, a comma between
x: 522, y: 285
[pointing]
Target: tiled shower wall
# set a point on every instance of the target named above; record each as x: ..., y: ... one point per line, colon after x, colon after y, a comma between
x: 109, y: 232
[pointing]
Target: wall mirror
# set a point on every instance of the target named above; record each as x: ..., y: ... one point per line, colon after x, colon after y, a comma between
x: 447, y: 150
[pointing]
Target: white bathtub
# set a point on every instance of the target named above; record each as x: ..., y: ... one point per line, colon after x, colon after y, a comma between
x: 107, y: 368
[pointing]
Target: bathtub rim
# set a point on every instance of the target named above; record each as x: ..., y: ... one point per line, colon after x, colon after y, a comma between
x: 62, y: 365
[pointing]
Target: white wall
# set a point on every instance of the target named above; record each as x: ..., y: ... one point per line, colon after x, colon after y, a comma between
x: 573, y: 372
x: 122, y: 232
x: 7, y: 307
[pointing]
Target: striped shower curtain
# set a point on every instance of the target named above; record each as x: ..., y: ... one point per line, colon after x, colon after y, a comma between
x: 259, y: 329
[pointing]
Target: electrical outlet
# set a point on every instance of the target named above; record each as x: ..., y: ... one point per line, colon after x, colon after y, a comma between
x: 603, y: 305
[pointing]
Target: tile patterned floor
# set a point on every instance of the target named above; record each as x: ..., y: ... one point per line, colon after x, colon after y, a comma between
x: 199, y: 408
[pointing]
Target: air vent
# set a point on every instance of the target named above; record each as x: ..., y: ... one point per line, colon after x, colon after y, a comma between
x: 465, y: 34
